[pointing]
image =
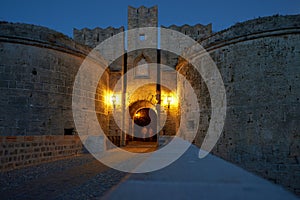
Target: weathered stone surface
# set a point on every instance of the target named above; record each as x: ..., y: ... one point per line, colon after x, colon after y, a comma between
x: 197, y: 32
x: 258, y: 60
x: 259, y: 63
x: 20, y: 151
x: 94, y: 37
x: 142, y: 17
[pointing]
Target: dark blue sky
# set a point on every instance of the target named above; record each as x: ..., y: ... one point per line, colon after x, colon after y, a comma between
x: 63, y: 16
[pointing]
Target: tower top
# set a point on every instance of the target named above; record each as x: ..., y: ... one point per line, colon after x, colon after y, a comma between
x: 142, y: 17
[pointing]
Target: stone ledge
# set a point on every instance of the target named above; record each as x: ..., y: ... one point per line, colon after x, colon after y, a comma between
x: 252, y: 27
x: 21, y: 151
x: 40, y: 36
x: 218, y: 44
x: 75, y: 49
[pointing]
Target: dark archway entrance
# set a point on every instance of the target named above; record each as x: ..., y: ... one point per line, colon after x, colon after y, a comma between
x: 145, y: 125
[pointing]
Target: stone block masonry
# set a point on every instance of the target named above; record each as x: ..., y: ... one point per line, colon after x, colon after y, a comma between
x: 259, y: 64
x: 37, y: 76
x: 198, y: 32
x: 21, y: 151
x: 258, y: 61
x: 94, y: 37
x: 37, y: 72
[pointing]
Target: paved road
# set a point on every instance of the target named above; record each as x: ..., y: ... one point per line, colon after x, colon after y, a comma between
x: 80, y: 177
x: 83, y: 177
x: 189, y: 177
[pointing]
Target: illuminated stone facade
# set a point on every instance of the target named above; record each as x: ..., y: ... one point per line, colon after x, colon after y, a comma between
x: 258, y: 59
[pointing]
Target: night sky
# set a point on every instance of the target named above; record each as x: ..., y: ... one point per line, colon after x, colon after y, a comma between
x: 63, y: 16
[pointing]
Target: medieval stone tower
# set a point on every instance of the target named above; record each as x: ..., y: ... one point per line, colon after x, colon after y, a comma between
x: 257, y: 59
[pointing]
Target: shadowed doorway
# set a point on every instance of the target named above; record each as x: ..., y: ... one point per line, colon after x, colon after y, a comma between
x: 145, y: 125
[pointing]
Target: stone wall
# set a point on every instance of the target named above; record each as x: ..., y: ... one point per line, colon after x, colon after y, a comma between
x: 197, y: 32
x: 258, y: 59
x: 21, y: 151
x: 101, y: 105
x: 93, y: 37
x: 142, y: 17
x: 37, y: 75
x: 191, y: 74
x: 37, y: 72
x: 114, y: 130
x: 260, y: 64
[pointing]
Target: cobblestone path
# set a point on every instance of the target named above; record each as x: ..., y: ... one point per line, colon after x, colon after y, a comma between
x: 81, y: 177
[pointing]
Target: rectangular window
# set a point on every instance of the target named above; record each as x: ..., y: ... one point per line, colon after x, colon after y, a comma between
x: 142, y: 37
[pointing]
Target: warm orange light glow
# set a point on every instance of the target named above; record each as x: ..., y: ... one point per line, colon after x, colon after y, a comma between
x: 112, y: 99
x: 170, y: 100
x: 107, y: 99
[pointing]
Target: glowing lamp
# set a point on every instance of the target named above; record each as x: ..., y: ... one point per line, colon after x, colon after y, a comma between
x: 113, y: 100
x: 169, y: 100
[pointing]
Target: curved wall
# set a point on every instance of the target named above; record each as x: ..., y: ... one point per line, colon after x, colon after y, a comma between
x: 37, y: 73
x: 260, y: 64
x: 259, y: 61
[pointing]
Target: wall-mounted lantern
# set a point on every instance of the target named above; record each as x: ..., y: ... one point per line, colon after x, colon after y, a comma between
x: 169, y: 100
x: 113, y: 100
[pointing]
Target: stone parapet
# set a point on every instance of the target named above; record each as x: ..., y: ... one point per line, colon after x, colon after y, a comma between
x: 252, y: 29
x: 40, y: 36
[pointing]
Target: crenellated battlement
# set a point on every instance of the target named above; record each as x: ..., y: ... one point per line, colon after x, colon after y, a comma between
x: 197, y: 32
x: 93, y: 37
x: 142, y: 17
x: 138, y: 18
x: 258, y: 61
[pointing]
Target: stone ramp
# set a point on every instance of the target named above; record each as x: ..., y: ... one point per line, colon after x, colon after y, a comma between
x: 193, y: 178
